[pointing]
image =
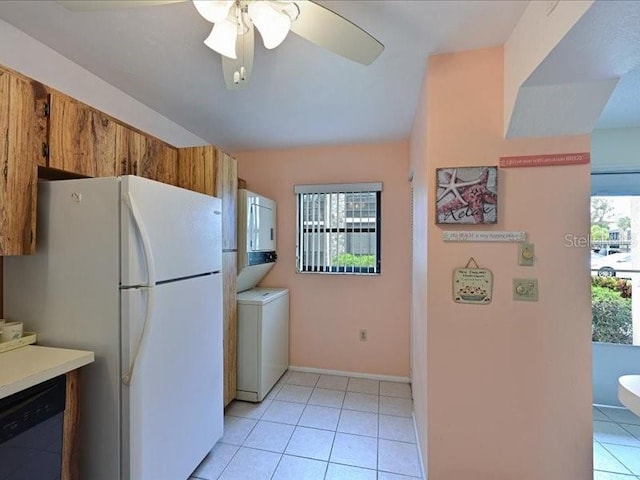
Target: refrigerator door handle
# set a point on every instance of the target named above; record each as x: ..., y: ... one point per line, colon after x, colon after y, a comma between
x: 128, y: 375
x: 144, y: 237
x: 151, y: 280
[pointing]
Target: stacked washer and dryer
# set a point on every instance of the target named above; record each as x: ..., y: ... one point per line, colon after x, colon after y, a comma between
x: 263, y: 313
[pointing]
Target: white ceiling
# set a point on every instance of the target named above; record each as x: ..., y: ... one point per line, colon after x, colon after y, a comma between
x: 299, y: 94
x: 603, y: 47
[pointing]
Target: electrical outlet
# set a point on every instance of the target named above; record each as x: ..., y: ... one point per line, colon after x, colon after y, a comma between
x: 525, y: 289
x: 363, y: 335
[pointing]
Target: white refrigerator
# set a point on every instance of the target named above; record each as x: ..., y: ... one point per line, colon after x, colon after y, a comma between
x: 130, y: 269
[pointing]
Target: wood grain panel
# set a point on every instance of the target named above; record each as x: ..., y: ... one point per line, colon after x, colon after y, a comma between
x: 157, y: 161
x: 81, y: 140
x: 70, y: 429
x: 185, y: 160
x: 227, y: 190
x: 128, y: 146
x: 170, y: 164
x: 196, y: 169
x: 230, y: 334
x: 23, y: 132
x: 210, y: 159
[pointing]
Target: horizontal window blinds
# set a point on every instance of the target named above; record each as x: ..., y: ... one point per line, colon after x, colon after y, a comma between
x: 338, y: 229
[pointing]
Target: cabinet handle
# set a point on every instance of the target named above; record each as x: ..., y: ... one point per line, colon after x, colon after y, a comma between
x: 135, y: 168
x: 46, y: 110
x: 45, y: 150
x: 123, y: 168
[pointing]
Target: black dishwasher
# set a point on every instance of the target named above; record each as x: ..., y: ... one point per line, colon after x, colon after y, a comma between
x: 31, y: 423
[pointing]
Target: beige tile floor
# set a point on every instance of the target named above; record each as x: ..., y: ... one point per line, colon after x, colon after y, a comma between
x: 318, y: 427
x: 329, y: 427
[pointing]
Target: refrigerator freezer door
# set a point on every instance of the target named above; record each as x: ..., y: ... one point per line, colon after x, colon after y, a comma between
x: 173, y: 409
x: 183, y: 229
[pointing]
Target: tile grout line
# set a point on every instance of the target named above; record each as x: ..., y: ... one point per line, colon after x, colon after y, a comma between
x: 292, y: 433
x: 314, y: 387
x: 228, y: 463
x: 604, y: 445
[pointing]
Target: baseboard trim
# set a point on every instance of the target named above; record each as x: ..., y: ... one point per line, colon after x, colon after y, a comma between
x: 370, y: 376
x: 415, y: 432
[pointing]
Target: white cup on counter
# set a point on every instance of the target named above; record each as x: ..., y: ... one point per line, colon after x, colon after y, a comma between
x: 10, y: 331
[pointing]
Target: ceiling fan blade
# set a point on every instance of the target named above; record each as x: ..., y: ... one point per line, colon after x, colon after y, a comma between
x: 90, y: 5
x: 244, y: 52
x: 329, y: 30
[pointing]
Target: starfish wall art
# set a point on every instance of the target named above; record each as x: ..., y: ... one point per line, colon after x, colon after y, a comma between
x: 467, y: 195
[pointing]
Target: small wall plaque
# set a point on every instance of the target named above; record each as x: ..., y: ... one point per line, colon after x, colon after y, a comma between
x: 545, y: 160
x: 472, y: 284
x: 483, y: 236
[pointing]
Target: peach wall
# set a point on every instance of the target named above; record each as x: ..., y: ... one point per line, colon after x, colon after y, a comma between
x: 328, y: 310
x: 509, y: 384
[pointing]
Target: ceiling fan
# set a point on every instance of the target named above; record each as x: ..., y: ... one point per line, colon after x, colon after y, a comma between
x: 232, y: 35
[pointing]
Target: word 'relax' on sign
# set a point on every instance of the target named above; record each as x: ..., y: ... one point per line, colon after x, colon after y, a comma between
x: 545, y: 160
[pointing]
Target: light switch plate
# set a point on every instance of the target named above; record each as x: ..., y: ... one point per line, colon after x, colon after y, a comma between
x: 525, y: 254
x: 525, y: 289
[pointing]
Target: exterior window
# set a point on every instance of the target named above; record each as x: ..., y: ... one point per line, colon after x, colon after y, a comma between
x: 615, y: 268
x: 338, y: 228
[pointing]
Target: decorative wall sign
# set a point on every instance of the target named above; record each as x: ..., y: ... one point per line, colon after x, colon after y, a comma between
x: 483, y: 236
x: 545, y: 160
x: 472, y: 284
x: 467, y: 195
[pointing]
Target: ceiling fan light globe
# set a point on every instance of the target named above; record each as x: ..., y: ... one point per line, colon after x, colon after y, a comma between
x: 272, y: 24
x: 222, y: 39
x: 213, y: 10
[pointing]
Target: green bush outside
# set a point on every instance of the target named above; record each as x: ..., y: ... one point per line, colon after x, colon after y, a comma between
x: 611, y: 308
x: 351, y: 260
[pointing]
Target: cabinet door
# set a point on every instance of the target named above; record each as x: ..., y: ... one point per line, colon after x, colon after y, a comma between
x: 128, y: 145
x: 139, y: 154
x: 157, y: 161
x: 23, y: 129
x: 81, y: 140
x: 230, y: 319
x: 196, y: 169
x: 227, y: 190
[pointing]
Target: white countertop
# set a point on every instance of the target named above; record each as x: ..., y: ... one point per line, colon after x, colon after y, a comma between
x: 629, y: 392
x: 30, y: 365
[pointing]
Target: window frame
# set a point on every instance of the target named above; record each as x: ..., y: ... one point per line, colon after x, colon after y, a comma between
x: 324, y: 189
x: 612, y: 184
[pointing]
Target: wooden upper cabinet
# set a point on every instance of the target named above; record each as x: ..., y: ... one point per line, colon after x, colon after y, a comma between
x: 227, y: 190
x: 23, y: 133
x: 81, y: 140
x: 138, y: 154
x: 196, y: 169
x: 128, y: 144
x: 157, y: 161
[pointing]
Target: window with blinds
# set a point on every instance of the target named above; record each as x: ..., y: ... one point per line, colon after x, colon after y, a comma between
x: 338, y: 228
